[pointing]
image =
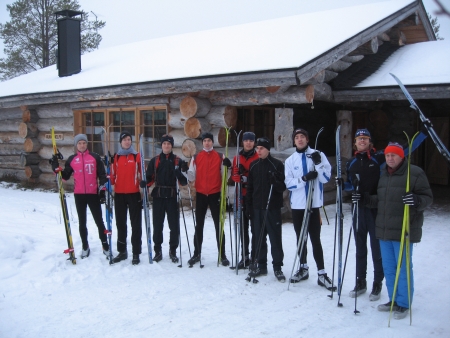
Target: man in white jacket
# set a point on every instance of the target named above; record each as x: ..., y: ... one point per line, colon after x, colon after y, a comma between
x: 304, y: 167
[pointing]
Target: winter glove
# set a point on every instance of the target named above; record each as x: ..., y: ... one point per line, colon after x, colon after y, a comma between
x: 102, y: 196
x: 226, y: 162
x: 236, y: 177
x: 273, y: 177
x: 338, y: 181
x: 310, y: 176
x: 143, y: 184
x: 356, y: 197
x: 355, y: 182
x: 55, y: 164
x: 411, y: 199
x: 184, y: 167
x: 316, y: 158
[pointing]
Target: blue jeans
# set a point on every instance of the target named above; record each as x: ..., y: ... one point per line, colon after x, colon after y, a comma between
x: 389, y: 253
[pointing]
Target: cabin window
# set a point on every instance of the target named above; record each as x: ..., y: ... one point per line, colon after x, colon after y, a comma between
x: 260, y: 120
x: 103, y: 127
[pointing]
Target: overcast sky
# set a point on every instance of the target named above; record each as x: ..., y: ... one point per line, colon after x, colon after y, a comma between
x: 136, y: 20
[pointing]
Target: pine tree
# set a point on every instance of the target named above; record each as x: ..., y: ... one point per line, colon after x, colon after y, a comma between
x: 435, y: 25
x: 31, y: 36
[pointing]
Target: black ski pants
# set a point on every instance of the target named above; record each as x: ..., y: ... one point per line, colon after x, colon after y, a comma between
x: 366, y: 225
x: 82, y: 201
x: 314, y: 229
x: 133, y: 203
x: 268, y: 226
x: 201, y: 206
x: 161, y: 206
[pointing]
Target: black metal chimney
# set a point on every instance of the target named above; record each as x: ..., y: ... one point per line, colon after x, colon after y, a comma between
x: 69, y: 42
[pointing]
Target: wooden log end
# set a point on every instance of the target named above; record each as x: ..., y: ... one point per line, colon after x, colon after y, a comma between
x: 31, y: 145
x: 309, y: 93
x: 32, y: 171
x: 272, y: 89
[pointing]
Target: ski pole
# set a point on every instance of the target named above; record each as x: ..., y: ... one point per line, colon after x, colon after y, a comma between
x: 356, y: 242
x: 229, y: 222
x: 345, y: 261
x: 179, y: 225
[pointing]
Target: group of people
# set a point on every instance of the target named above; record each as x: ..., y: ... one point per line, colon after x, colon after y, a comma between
x: 378, y: 192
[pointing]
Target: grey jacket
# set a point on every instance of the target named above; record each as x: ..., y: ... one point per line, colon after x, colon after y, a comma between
x: 390, y: 205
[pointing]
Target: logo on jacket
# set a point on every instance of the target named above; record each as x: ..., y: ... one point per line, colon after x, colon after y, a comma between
x: 296, y: 168
x: 89, y: 168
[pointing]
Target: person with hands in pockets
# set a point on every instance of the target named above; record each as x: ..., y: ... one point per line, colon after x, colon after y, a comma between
x: 304, y: 167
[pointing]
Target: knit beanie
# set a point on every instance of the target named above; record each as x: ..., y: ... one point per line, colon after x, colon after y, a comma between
x: 248, y: 135
x: 78, y: 138
x: 300, y: 131
x: 124, y: 134
x: 395, y: 148
x: 167, y: 138
x: 207, y: 135
x: 362, y: 133
x: 263, y: 142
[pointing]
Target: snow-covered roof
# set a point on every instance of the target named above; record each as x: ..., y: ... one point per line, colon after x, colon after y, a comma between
x: 417, y: 64
x: 283, y: 43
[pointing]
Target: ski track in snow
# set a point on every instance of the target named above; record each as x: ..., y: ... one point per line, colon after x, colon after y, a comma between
x: 43, y: 295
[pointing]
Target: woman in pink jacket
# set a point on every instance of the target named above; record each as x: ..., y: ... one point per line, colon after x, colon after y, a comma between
x: 88, y: 174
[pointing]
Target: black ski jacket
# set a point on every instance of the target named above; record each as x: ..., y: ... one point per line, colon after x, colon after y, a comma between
x: 258, y: 186
x: 164, y: 171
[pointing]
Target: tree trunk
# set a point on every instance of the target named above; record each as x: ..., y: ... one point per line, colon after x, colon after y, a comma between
x: 31, y: 145
x: 30, y: 159
x: 10, y: 113
x: 323, y: 76
x: 339, y: 66
x: 54, y: 110
x: 190, y: 147
x: 32, y: 171
x: 10, y: 138
x: 370, y: 47
x: 30, y: 115
x: 345, y: 120
x: 194, y: 127
x: 178, y: 137
x: 10, y: 125
x: 220, y: 137
x: 222, y: 116
x: 10, y: 161
x: 352, y: 59
x: 283, y: 128
x: 11, y: 149
x: 28, y: 130
x: 44, y: 138
x: 47, y: 152
x: 260, y: 96
x: 194, y: 106
x: 175, y: 119
x: 60, y: 124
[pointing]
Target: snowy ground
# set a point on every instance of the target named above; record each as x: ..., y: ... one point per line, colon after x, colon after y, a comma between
x: 43, y: 295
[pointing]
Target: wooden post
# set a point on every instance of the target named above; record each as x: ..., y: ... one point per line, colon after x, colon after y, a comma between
x: 284, y: 126
x: 345, y: 120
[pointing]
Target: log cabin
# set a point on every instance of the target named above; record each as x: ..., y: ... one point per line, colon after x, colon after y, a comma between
x: 317, y: 69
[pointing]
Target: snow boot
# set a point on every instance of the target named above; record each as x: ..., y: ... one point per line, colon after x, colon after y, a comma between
x: 360, y: 288
x: 173, y: 256
x: 193, y: 260
x: 401, y: 312
x: 135, y: 260
x: 302, y: 274
x: 387, y: 307
x: 376, y: 291
x: 85, y: 253
x: 120, y: 257
x: 244, y: 263
x: 225, y: 261
x: 158, y: 256
x: 325, y: 281
x: 107, y: 253
x: 257, y: 271
x: 280, y: 276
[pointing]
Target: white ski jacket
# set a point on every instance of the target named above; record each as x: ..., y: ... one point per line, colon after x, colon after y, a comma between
x: 298, y: 165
